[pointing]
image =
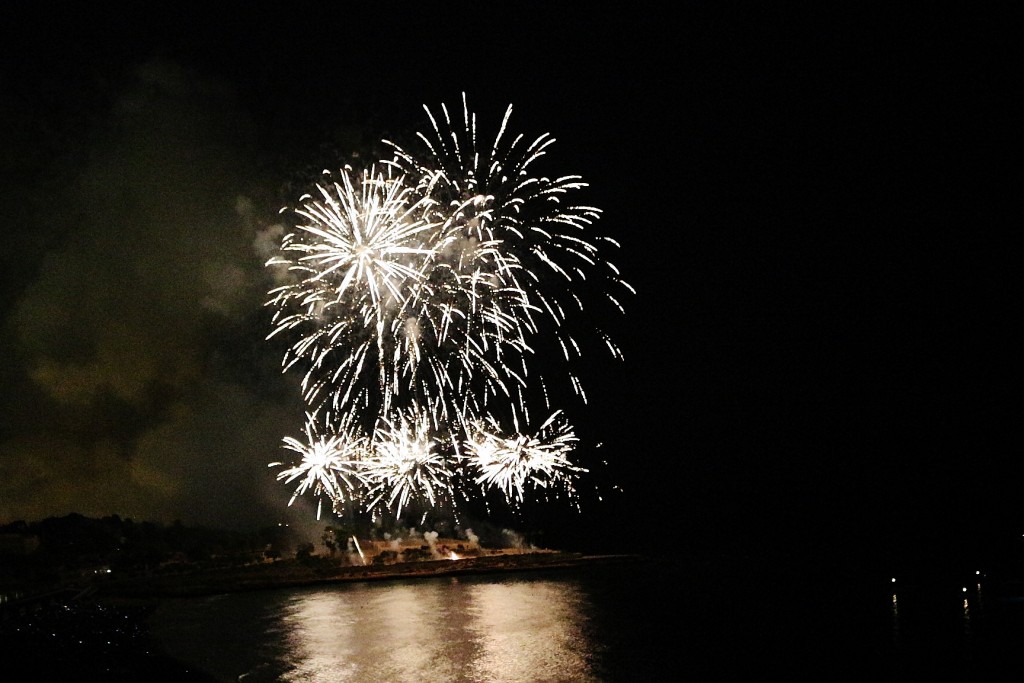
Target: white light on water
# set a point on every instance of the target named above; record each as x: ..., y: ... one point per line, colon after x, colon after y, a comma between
x: 451, y: 631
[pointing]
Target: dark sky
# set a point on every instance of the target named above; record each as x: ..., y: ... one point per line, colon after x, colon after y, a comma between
x: 814, y: 206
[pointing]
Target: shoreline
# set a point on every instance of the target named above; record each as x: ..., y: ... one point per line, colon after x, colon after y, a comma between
x: 292, y: 573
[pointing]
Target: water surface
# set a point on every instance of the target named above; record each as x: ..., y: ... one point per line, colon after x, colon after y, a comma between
x: 643, y: 621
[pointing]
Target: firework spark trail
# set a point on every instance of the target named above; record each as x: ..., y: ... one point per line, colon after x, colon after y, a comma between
x: 501, y: 203
x: 420, y: 294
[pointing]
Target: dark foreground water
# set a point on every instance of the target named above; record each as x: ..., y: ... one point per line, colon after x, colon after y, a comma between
x: 649, y: 620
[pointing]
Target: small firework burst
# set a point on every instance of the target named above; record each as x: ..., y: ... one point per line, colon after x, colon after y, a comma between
x: 330, y: 465
x: 405, y: 466
x: 518, y: 463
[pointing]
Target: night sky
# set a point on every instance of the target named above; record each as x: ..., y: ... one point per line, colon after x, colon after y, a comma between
x: 817, y: 208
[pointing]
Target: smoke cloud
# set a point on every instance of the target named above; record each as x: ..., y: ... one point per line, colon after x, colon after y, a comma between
x: 137, y: 381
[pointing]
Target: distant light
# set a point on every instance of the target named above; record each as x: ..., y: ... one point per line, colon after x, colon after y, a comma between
x: 894, y: 579
x: 977, y: 572
x: 965, y: 589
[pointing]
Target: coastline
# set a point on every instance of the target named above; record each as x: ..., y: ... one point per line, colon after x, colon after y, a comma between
x: 291, y: 573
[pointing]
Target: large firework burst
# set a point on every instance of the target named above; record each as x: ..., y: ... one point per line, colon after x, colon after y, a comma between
x: 420, y: 293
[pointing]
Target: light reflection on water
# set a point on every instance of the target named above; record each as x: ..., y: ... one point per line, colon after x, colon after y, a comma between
x: 642, y: 622
x: 452, y: 629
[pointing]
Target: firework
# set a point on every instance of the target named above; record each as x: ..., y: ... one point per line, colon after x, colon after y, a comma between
x: 539, y: 247
x: 330, y: 465
x: 406, y: 465
x: 357, y: 255
x: 515, y: 464
x: 419, y: 294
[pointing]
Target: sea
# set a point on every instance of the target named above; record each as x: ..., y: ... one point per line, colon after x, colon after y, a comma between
x: 618, y: 619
